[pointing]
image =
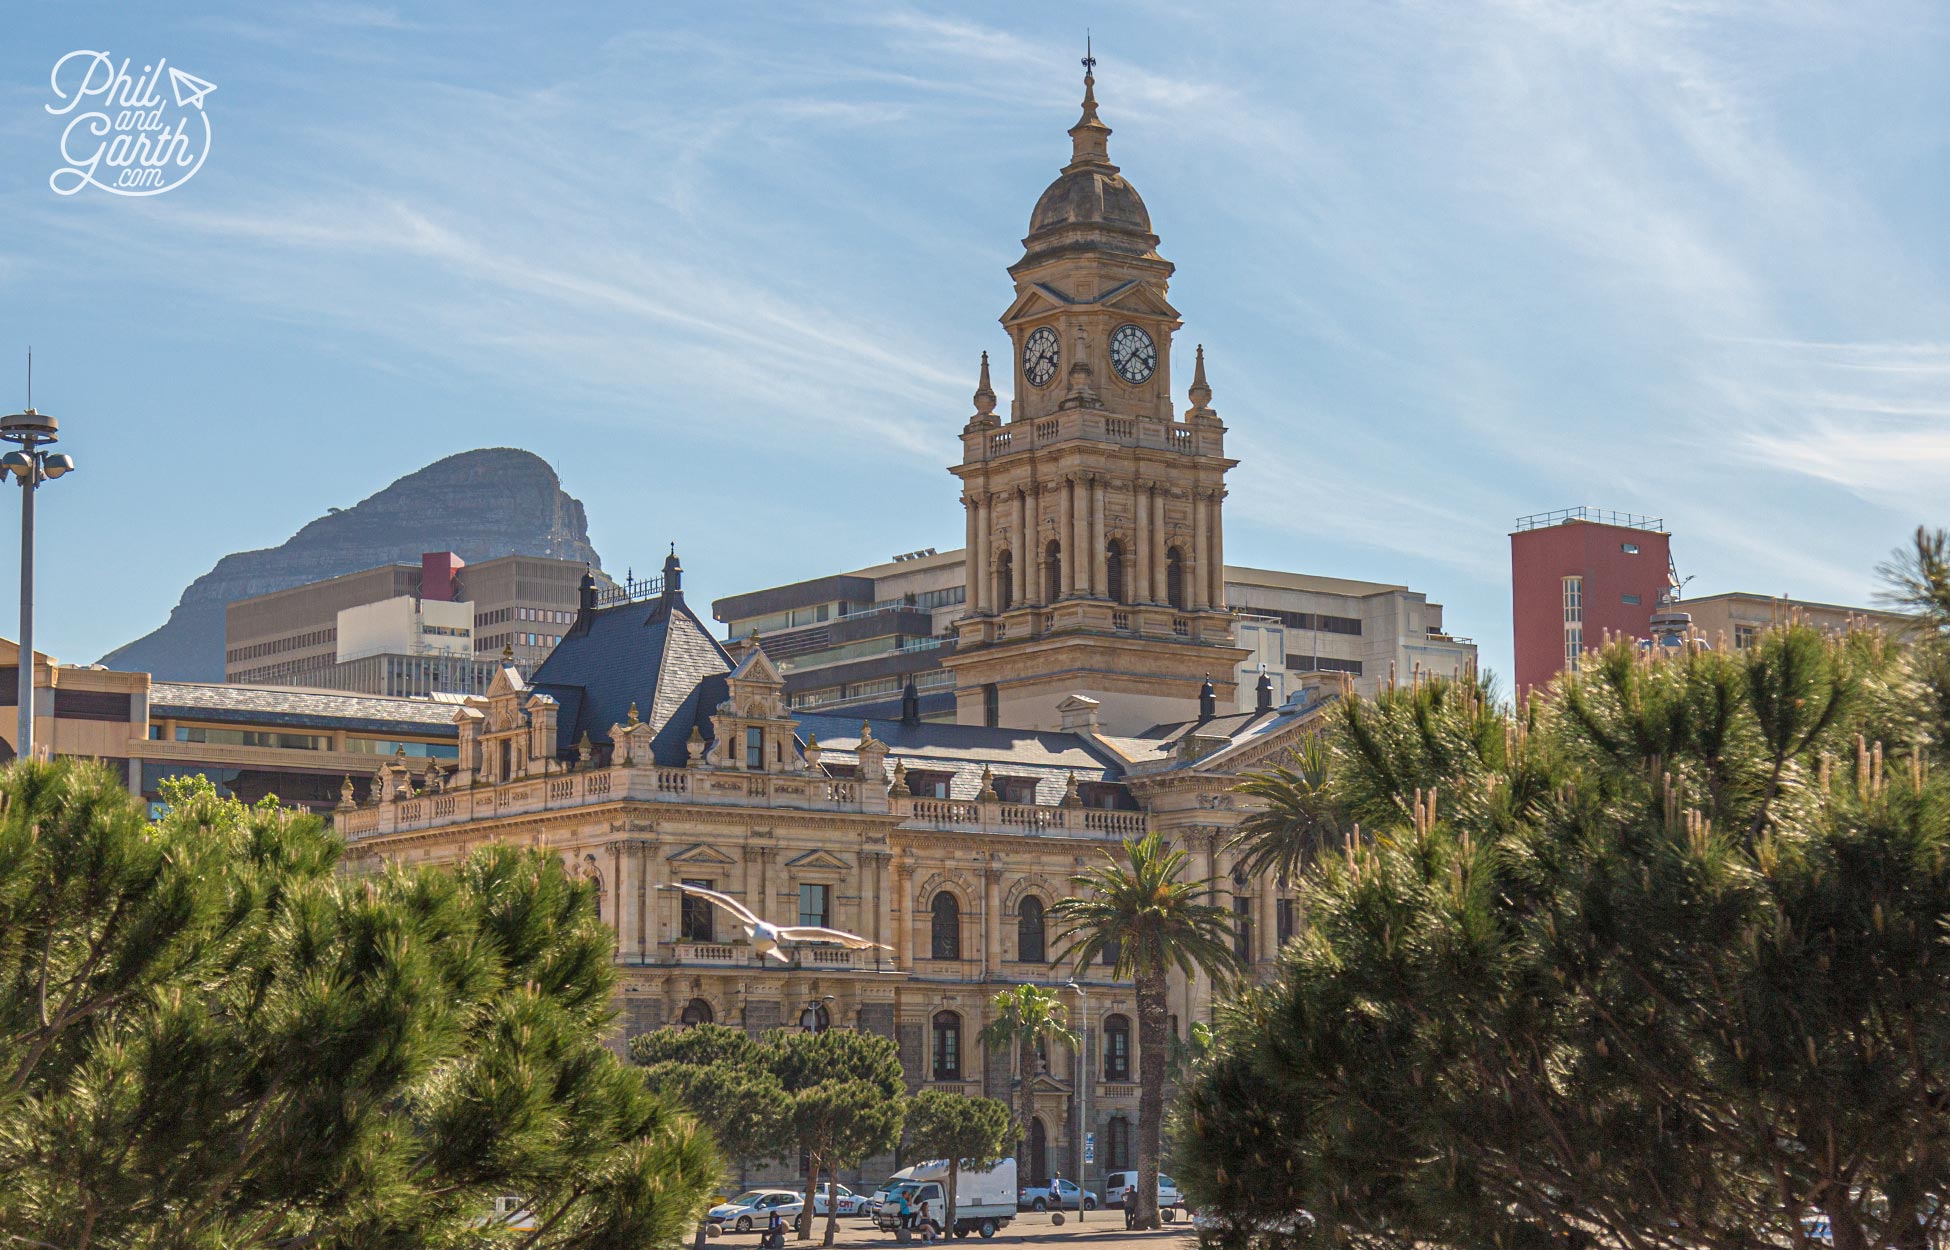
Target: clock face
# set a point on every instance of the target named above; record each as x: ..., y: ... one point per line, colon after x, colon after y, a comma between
x: 1039, y: 356
x: 1133, y: 354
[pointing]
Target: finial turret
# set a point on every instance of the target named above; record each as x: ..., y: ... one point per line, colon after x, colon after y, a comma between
x: 984, y: 393
x: 1089, y: 138
x: 1200, y: 391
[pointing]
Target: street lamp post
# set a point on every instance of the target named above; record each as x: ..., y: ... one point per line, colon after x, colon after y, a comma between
x: 1083, y: 1092
x: 30, y: 467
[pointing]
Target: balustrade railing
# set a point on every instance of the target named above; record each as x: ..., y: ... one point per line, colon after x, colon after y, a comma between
x: 809, y: 791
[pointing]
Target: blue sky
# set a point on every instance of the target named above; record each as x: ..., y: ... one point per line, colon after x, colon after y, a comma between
x: 731, y: 268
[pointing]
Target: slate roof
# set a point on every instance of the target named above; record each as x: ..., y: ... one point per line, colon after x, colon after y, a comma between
x: 963, y: 750
x: 655, y: 654
x: 275, y: 705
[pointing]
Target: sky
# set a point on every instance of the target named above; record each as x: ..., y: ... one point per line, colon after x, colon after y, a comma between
x: 730, y: 269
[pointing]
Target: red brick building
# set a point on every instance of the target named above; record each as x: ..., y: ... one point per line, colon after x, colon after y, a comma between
x: 1577, y: 575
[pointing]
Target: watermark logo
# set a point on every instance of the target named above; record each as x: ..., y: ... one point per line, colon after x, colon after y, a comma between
x: 123, y: 134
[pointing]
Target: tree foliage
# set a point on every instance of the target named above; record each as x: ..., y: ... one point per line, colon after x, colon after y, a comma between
x: 210, y: 1037
x: 972, y: 1134
x: 1024, y: 1018
x: 1144, y: 909
x: 1660, y: 961
x: 725, y: 1078
x: 835, y: 1097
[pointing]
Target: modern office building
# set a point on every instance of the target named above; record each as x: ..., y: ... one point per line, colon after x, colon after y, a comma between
x: 1577, y: 576
x: 300, y: 745
x: 853, y: 640
x: 404, y: 629
x: 1735, y: 618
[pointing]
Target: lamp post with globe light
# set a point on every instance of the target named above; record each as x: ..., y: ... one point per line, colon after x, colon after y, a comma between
x: 29, y: 466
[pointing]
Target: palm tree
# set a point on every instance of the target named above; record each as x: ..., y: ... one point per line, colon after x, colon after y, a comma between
x: 1141, y: 910
x: 1297, y: 820
x: 1025, y: 1016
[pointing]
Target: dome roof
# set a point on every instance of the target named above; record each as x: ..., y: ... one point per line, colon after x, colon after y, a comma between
x: 1090, y: 195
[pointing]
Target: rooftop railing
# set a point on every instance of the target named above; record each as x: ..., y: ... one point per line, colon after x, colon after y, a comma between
x: 1598, y: 516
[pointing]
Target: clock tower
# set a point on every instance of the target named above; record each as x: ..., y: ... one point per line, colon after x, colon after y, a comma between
x: 1095, y: 548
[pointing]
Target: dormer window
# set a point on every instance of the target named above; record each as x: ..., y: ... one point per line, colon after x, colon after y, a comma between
x: 755, y: 748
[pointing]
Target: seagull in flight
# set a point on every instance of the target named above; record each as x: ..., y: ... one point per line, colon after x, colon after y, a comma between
x: 767, y: 937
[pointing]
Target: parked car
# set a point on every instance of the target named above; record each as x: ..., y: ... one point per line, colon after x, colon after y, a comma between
x: 1040, y: 1197
x: 1121, y: 1188
x: 850, y: 1202
x: 754, y: 1207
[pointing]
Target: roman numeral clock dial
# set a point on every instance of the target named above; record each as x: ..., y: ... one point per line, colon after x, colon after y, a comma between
x: 1133, y: 354
x: 1039, y: 356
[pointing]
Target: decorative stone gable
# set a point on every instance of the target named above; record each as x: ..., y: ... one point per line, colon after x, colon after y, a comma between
x: 753, y: 731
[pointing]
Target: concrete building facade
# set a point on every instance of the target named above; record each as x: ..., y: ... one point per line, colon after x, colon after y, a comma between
x: 518, y: 606
x: 1577, y: 576
x: 854, y: 640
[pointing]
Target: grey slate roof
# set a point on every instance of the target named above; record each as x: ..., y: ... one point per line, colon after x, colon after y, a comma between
x: 282, y: 706
x: 655, y: 654
x: 963, y: 750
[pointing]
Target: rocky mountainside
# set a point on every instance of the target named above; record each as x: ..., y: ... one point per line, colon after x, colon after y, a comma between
x: 497, y: 501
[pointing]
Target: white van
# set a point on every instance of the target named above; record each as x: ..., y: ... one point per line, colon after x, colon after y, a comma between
x: 985, y: 1202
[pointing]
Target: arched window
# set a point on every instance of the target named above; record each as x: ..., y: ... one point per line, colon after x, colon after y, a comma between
x: 1118, y: 1143
x: 1029, y: 930
x: 1114, y: 570
x: 1038, y: 1153
x: 1005, y: 582
x: 1175, y: 579
x: 947, y: 1046
x: 1053, y: 571
x: 947, y: 926
x: 1117, y: 1048
x: 696, y: 1012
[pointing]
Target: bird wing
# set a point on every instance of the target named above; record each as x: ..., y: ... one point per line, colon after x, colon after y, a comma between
x: 725, y: 901
x: 813, y: 933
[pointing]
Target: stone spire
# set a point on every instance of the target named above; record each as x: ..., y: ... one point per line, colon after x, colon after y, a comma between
x: 1089, y: 138
x: 1200, y: 392
x: 984, y: 397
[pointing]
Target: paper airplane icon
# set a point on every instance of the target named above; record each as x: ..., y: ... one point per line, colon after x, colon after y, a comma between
x: 190, y: 89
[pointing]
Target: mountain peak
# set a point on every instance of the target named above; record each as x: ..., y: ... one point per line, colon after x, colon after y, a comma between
x: 493, y: 501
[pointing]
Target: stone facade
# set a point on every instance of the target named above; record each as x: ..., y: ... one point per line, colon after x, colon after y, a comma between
x: 1095, y: 535
x: 646, y: 755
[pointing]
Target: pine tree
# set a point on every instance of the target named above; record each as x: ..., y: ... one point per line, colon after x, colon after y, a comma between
x: 1660, y: 961
x: 972, y: 1134
x: 209, y: 1037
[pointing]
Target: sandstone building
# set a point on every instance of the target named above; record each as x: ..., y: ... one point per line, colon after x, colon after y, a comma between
x: 647, y: 753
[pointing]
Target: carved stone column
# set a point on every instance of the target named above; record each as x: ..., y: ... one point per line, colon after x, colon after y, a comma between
x: 1099, y: 561
x: 1157, y: 540
x: 1034, y: 591
x: 902, y: 917
x: 991, y: 920
x: 1216, y: 562
x: 1021, y: 544
x: 973, y: 562
x: 1195, y: 584
x: 883, y: 912
x: 984, y: 552
x: 1066, y: 576
x: 1140, y: 586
